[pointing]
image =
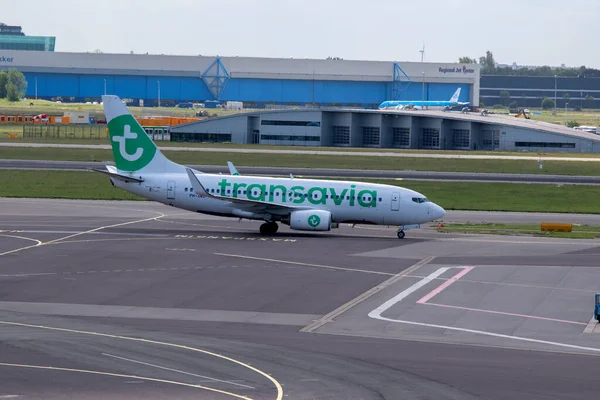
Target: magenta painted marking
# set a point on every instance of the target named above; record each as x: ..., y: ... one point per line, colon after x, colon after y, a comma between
x: 444, y: 285
x: 507, y: 313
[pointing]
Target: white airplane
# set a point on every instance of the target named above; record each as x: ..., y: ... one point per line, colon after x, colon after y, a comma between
x: 303, y: 204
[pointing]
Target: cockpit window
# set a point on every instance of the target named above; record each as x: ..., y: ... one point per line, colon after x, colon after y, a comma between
x: 420, y: 199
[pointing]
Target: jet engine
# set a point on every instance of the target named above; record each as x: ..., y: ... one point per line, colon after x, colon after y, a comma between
x: 310, y: 220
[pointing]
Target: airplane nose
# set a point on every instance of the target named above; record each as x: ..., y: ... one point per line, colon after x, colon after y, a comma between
x: 437, y: 212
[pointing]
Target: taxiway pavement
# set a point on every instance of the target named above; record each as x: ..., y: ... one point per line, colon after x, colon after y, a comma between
x: 327, y: 172
x: 381, y: 153
x: 104, y: 299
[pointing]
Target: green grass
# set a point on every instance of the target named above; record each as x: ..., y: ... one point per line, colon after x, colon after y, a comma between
x: 450, y: 195
x: 579, y: 231
x: 483, y: 196
x: 584, y: 117
x: 60, y: 185
x: 321, y: 161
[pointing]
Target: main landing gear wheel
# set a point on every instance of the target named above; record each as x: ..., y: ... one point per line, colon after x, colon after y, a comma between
x: 269, y: 228
x: 401, y: 234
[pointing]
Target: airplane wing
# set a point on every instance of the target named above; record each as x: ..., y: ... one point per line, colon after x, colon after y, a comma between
x: 246, y: 204
x: 232, y: 169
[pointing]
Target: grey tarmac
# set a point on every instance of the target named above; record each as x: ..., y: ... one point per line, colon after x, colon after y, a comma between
x: 139, y: 300
x: 381, y: 153
x: 327, y: 173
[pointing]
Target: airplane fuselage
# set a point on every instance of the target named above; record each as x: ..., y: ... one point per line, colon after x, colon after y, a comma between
x: 348, y: 202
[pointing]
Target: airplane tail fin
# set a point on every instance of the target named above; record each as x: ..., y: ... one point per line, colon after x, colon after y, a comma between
x: 454, y: 98
x: 132, y: 148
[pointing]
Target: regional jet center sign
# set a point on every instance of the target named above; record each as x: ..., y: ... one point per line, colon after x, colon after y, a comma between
x: 457, y: 70
x: 6, y: 60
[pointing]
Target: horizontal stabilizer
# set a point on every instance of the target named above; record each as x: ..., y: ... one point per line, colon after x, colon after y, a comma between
x: 116, y: 175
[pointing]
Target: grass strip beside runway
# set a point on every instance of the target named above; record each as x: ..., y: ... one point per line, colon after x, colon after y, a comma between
x: 321, y: 161
x: 450, y: 195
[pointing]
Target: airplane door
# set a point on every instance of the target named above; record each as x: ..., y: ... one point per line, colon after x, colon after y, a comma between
x: 170, y: 189
x: 395, y: 201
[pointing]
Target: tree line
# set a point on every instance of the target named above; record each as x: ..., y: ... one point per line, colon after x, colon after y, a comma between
x: 489, y: 67
x: 12, y: 85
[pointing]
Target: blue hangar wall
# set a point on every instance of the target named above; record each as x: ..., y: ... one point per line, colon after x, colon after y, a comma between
x: 255, y: 81
x: 258, y: 92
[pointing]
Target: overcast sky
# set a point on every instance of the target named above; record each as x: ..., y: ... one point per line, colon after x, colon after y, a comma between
x: 529, y: 32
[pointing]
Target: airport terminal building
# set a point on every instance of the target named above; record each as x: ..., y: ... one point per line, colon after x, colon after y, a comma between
x: 433, y: 130
x: 258, y: 82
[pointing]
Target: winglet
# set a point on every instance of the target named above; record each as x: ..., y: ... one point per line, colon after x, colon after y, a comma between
x: 232, y: 169
x: 196, y: 185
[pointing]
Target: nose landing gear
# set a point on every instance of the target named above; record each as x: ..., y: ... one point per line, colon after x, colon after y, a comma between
x: 269, y: 228
x: 400, y: 234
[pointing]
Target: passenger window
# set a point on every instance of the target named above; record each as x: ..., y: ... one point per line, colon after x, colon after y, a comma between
x: 186, y: 189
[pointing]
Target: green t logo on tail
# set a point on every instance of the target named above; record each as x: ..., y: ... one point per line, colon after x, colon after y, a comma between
x: 314, y: 220
x: 132, y: 148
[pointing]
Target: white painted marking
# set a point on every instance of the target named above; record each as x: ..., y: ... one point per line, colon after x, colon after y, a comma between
x: 25, y: 275
x: 376, y: 314
x: 178, y: 371
x: 410, y: 290
x: 504, y: 313
x: 268, y: 376
x: 9, y: 396
x: 39, y: 243
x: 444, y: 286
x: 83, y: 371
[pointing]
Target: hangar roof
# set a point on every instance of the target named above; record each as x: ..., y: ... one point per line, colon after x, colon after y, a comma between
x: 492, y: 119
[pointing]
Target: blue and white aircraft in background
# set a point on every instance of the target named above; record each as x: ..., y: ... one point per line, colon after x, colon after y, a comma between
x: 418, y: 104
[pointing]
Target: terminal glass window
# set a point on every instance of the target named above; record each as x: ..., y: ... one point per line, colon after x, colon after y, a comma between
x: 431, y: 138
x: 291, y: 138
x: 401, y: 137
x: 290, y: 123
x: 201, y: 137
x: 490, y: 138
x: 370, y: 136
x: 340, y: 135
x: 546, y: 144
x: 460, y: 138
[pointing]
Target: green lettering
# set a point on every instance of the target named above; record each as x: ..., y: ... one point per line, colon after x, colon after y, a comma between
x: 297, y: 190
x: 352, y: 195
x: 224, y: 184
x: 272, y: 190
x: 261, y: 194
x: 364, y: 203
x: 321, y: 199
x: 338, y: 199
x: 236, y: 187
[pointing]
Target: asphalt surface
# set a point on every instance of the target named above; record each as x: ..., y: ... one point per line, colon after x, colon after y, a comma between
x: 325, y: 172
x: 136, y: 300
x: 381, y: 153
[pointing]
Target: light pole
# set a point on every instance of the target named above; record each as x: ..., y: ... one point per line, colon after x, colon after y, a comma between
x: 423, y: 93
x: 555, y: 98
x: 158, y: 82
x: 105, y: 87
x: 566, y: 104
